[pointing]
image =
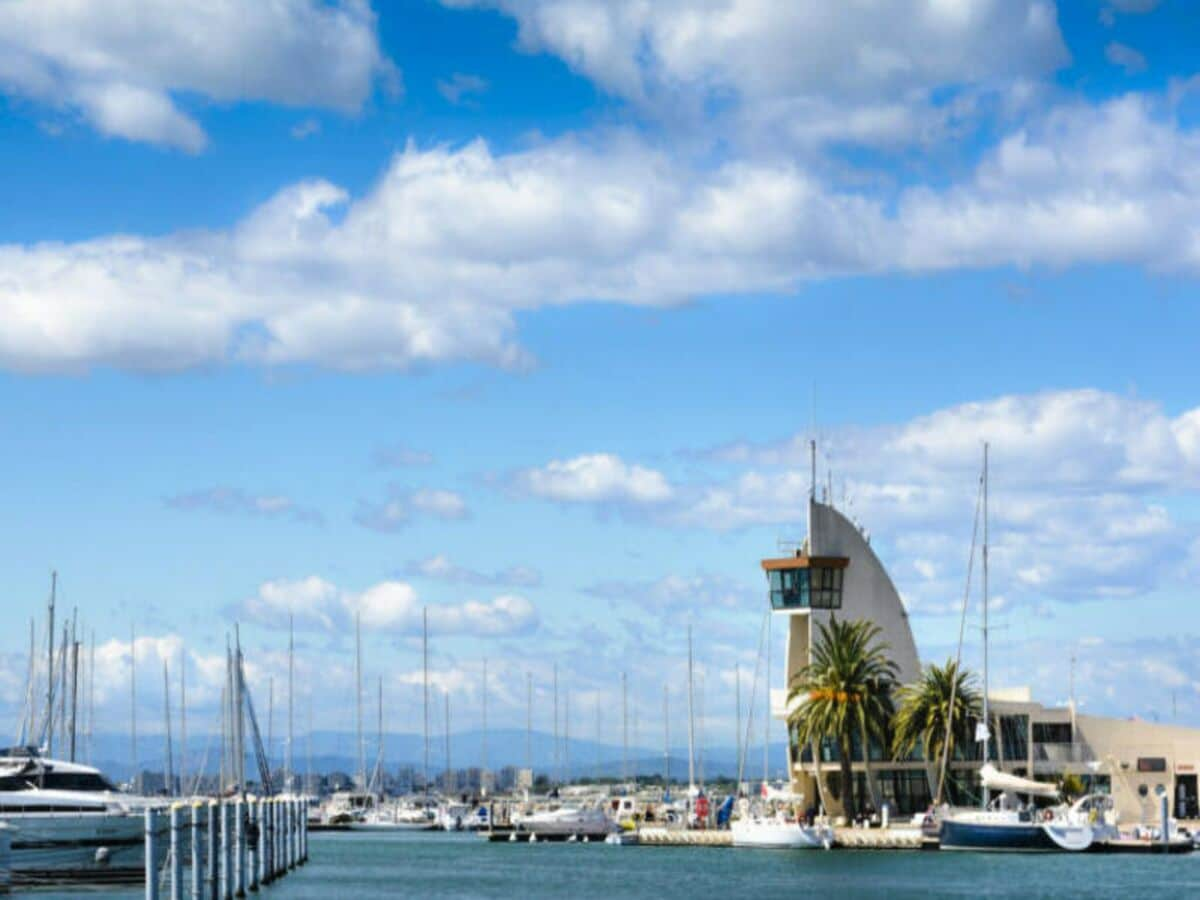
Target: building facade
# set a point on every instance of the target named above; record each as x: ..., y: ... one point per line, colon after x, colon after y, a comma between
x: 835, y: 572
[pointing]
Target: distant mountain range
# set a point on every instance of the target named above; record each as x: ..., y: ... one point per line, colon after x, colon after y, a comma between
x: 334, y: 751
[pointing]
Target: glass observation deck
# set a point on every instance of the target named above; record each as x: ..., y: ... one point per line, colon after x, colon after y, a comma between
x: 803, y: 582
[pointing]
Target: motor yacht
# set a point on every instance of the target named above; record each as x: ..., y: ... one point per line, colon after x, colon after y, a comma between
x: 68, y: 822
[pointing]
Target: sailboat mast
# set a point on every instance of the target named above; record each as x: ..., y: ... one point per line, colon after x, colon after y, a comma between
x: 287, y: 762
x: 566, y: 736
x: 27, y: 720
x: 183, y: 722
x: 737, y: 695
x: 133, y: 754
x: 987, y: 720
x: 425, y: 693
x: 358, y: 699
x: 767, y: 709
x: 483, y: 761
x: 666, y: 739
x: 556, y: 770
x: 91, y: 726
x: 167, y: 718
x: 624, y: 730
x: 691, y: 717
x: 50, y: 666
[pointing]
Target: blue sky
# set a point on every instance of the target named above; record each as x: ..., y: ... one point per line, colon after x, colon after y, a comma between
x: 524, y: 310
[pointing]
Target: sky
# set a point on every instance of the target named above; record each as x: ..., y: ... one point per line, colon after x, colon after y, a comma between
x: 523, y: 312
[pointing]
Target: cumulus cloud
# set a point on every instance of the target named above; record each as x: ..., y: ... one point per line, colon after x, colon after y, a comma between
x: 233, y: 501
x: 391, y: 606
x: 460, y: 88
x: 442, y: 568
x: 760, y: 49
x: 673, y: 598
x: 123, y: 68
x: 397, y: 510
x: 593, y: 478
x: 1081, y: 506
x: 435, y: 261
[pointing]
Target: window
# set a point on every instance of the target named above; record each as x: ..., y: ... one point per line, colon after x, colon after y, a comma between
x: 806, y: 588
x: 1151, y: 764
x: 1052, y: 732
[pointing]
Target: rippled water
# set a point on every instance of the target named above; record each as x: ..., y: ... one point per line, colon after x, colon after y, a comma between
x: 463, y: 866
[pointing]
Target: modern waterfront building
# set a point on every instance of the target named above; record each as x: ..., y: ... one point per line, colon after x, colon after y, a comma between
x: 835, y: 572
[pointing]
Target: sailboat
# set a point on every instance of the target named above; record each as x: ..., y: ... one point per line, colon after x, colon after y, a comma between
x: 1008, y: 822
x: 773, y: 823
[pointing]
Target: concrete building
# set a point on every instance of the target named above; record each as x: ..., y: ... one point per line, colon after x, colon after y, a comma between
x: 835, y: 572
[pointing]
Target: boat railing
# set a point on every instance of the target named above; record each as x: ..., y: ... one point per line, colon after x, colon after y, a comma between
x: 1076, y: 752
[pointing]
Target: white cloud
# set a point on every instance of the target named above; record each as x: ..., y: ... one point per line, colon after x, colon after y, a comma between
x: 759, y: 48
x: 389, y: 606
x: 441, y: 568
x: 122, y: 66
x: 396, y: 511
x: 306, y: 128
x: 433, y: 264
x: 460, y: 88
x: 1081, y: 489
x: 1125, y: 56
x: 594, y: 478
x: 230, y: 501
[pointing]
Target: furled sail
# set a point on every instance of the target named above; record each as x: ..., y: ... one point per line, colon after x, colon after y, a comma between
x: 995, y: 780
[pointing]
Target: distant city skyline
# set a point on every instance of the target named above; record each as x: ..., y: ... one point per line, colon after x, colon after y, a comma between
x: 525, y: 313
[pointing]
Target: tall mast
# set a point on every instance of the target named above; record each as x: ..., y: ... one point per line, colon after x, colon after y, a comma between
x: 379, y: 748
x: 27, y: 726
x: 270, y: 719
x: 737, y: 699
x: 133, y: 754
x: 566, y: 736
x: 91, y: 726
x: 691, y: 717
x: 358, y: 699
x: 64, y: 658
x: 425, y: 693
x: 556, y: 773
x: 483, y: 761
x: 50, y: 666
x: 239, y: 710
x: 167, y: 718
x: 183, y: 722
x: 74, y: 693
x: 227, y: 719
x: 767, y: 710
x: 287, y: 762
x: 624, y: 729
x: 987, y: 721
x: 666, y: 739
x: 529, y: 722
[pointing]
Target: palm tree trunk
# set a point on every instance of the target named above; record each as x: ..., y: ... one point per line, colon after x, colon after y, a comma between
x: 848, y: 807
x: 867, y: 770
x: 817, y: 777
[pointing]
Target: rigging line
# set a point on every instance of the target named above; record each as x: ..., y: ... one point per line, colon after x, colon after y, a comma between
x: 745, y: 748
x: 962, y: 624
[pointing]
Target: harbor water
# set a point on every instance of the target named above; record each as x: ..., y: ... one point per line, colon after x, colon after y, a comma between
x: 442, y: 866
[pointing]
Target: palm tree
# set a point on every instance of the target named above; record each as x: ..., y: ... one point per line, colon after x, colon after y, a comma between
x: 845, y: 690
x: 925, y: 715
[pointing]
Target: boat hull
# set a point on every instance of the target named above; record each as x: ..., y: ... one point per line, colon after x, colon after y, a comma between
x: 779, y: 836
x: 97, y: 848
x: 1024, y: 837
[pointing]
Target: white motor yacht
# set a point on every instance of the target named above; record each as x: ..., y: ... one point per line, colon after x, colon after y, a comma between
x: 565, y: 821
x: 68, y: 822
